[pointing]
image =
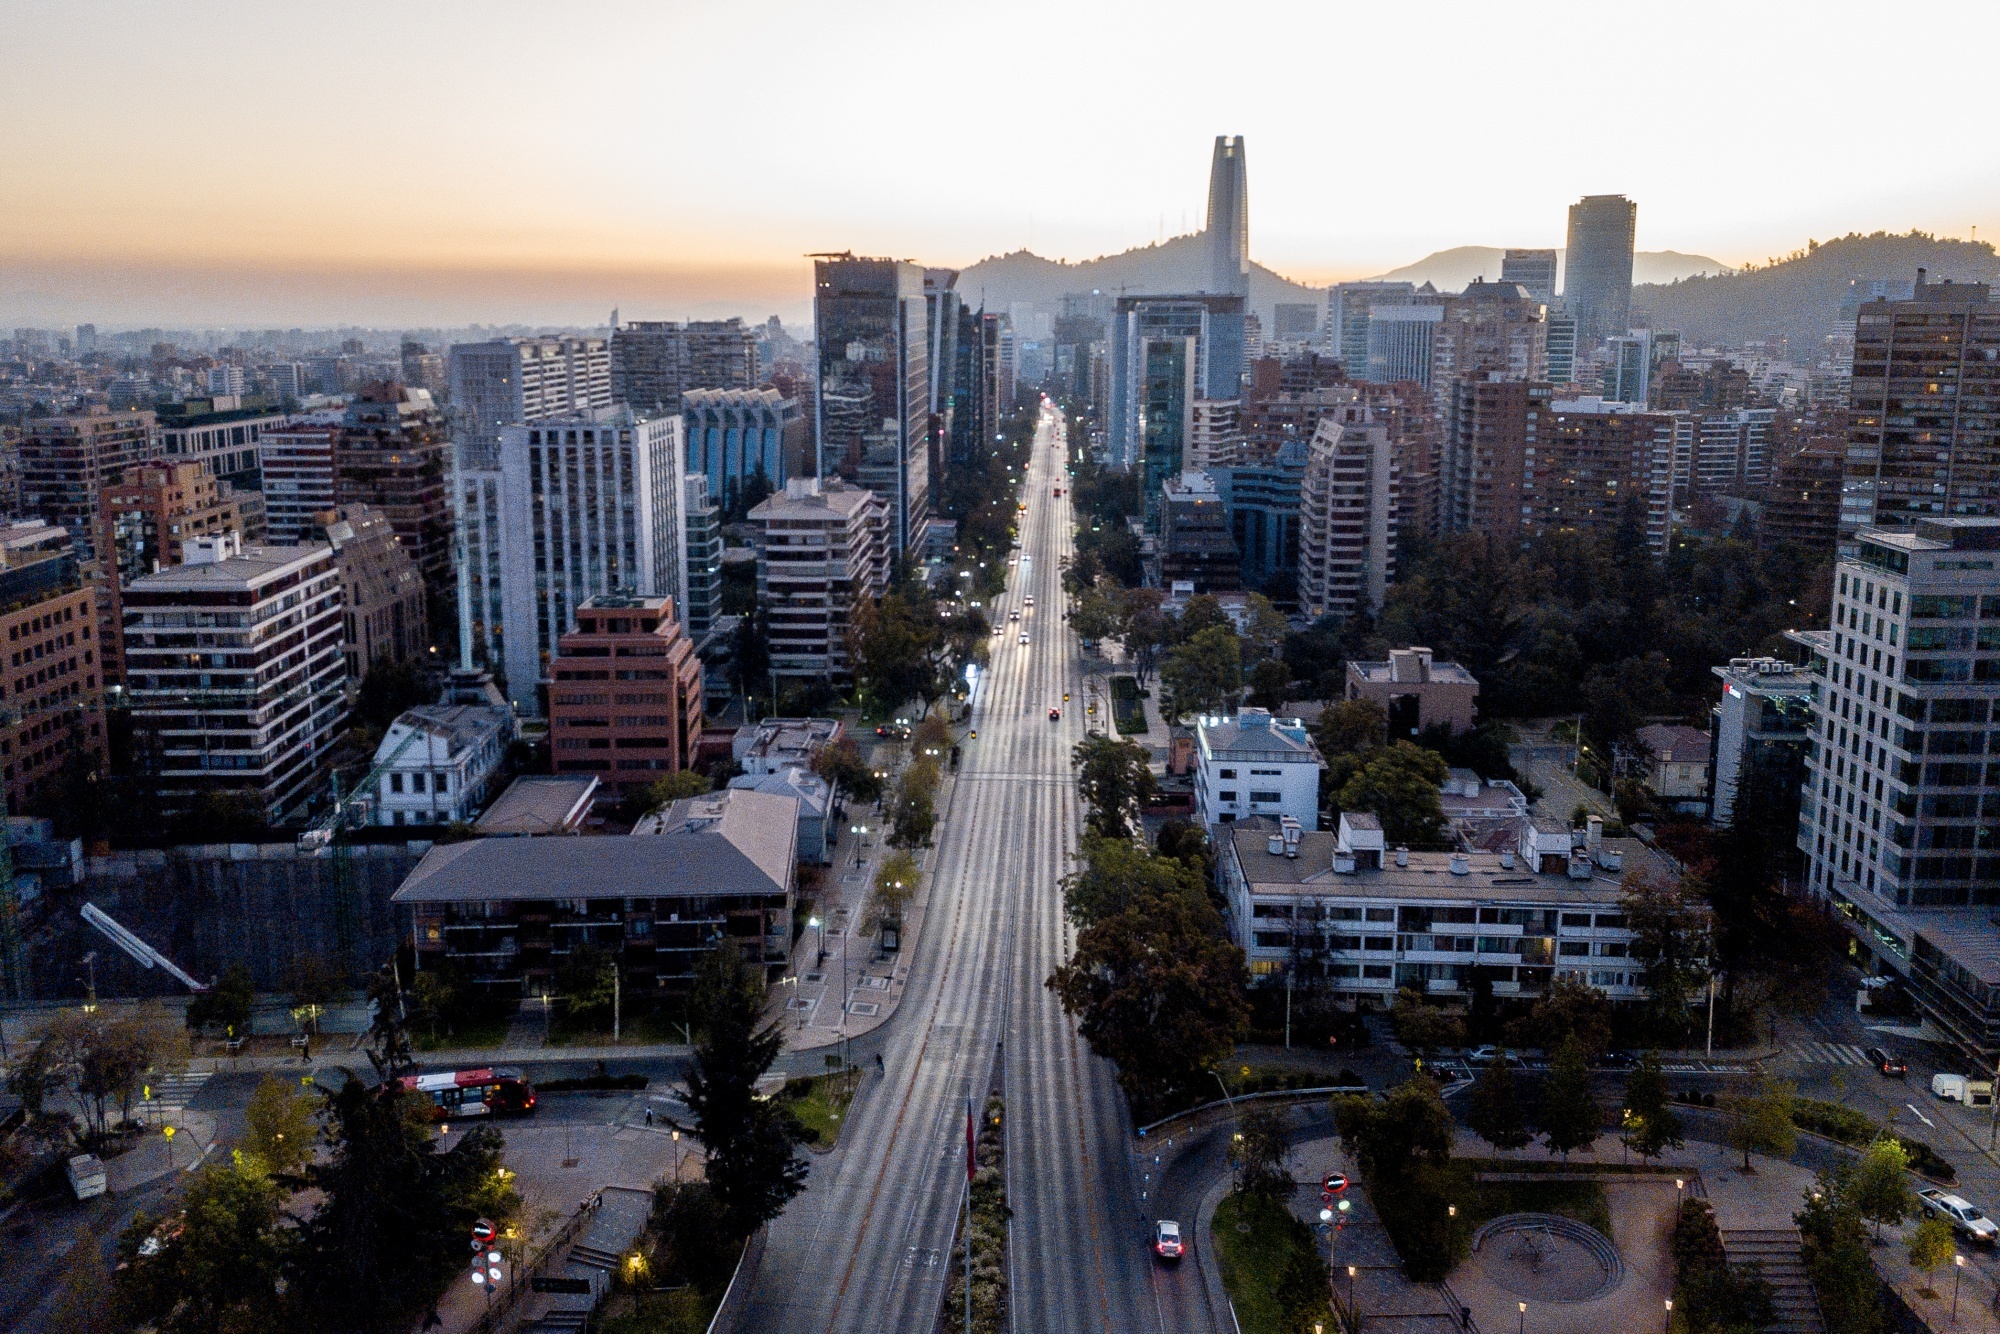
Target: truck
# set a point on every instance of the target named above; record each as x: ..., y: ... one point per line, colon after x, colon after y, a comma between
x: 1962, y: 1214
x: 86, y: 1176
x: 1962, y: 1088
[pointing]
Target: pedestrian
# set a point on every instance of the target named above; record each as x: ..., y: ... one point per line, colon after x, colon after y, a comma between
x: 878, y: 1062
x: 649, y: 1114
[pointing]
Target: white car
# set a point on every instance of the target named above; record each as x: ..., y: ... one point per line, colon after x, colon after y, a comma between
x: 1024, y: 639
x: 1962, y: 1214
x: 1167, y: 1242
x: 1028, y: 601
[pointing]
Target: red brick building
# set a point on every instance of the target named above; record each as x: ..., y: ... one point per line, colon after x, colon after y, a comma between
x: 625, y: 693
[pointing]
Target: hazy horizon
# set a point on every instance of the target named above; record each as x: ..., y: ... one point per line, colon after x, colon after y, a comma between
x: 227, y: 164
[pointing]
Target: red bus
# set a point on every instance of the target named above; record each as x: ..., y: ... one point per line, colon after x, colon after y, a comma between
x: 488, y: 1092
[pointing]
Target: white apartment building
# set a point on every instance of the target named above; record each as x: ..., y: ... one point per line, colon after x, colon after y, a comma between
x: 512, y: 380
x: 573, y: 507
x: 1254, y: 764
x: 1343, y: 909
x: 1348, y: 502
x: 297, y: 467
x: 822, y: 546
x: 234, y: 671
x: 443, y: 763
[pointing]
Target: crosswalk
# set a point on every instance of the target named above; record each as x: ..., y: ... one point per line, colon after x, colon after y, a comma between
x: 1827, y: 1053
x: 172, y: 1093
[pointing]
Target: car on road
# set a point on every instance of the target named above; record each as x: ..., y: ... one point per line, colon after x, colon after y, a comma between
x: 1489, y: 1053
x: 1058, y: 493
x: 1013, y: 615
x: 1971, y: 1091
x: 1024, y: 637
x: 1167, y: 1243
x: 1616, y: 1060
x: 1961, y: 1213
x: 1028, y: 601
x: 1887, y: 1063
x: 1054, y: 714
x: 896, y: 731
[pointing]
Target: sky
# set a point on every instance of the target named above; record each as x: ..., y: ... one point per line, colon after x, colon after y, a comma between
x: 230, y: 162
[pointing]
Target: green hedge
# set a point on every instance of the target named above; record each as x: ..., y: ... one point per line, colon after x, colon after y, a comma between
x: 1852, y: 1128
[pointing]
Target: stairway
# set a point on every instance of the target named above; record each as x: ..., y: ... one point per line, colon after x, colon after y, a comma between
x: 589, y: 1255
x: 1775, y: 1251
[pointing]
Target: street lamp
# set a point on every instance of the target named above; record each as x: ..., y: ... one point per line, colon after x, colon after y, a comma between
x: 820, y: 939
x: 1957, y: 1272
x: 677, y: 1157
x: 1668, y: 1326
x: 1523, y: 1327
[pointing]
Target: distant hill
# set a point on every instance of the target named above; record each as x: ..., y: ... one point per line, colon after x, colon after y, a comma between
x: 1450, y: 270
x: 1800, y: 296
x: 1176, y: 265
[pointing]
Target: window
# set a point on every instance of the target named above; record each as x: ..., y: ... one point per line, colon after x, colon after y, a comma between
x: 1226, y: 773
x: 395, y: 782
x: 1378, y: 971
x: 1381, y: 914
x: 1265, y: 796
x: 1573, y: 948
x: 1229, y: 795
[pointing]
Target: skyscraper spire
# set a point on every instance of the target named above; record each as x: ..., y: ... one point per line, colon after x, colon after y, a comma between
x: 1228, y: 229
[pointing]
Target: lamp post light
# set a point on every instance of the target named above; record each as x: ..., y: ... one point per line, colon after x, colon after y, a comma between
x: 1680, y: 1192
x: 677, y: 1157
x: 1353, y: 1309
x: 1523, y: 1326
x: 819, y: 939
x: 1957, y: 1273
x: 1669, y: 1323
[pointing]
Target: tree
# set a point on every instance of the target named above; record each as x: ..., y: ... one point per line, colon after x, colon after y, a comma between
x: 1351, y: 727
x: 1835, y: 1251
x: 1118, y: 875
x: 1881, y: 1184
x: 1114, y: 778
x: 1670, y: 938
x: 914, y: 816
x: 1157, y: 987
x: 1147, y: 629
x: 1931, y: 1248
x: 750, y: 653
x: 391, y: 1227
x: 754, y: 1167
x: 1423, y: 1027
x: 279, y: 1125
x: 312, y: 984
x: 1264, y: 629
x: 1269, y: 683
x: 389, y: 688
x: 841, y: 764
x: 1569, y: 1115
x: 218, y: 1270
x: 1402, y: 784
x: 1571, y: 1008
x: 1390, y: 1136
x: 1257, y: 1152
x: 587, y: 981
x: 433, y: 995
x: 676, y: 786
x: 226, y: 1005
x: 1495, y: 1115
x: 389, y: 1048
x: 1203, y: 674
x: 1097, y: 616
x: 1651, y: 1124
x: 95, y: 1058
x: 896, y: 880
x: 1763, y: 1121
x: 88, y: 1301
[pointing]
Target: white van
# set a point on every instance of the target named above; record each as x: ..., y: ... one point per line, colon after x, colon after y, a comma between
x: 86, y: 1176
x: 1959, y: 1088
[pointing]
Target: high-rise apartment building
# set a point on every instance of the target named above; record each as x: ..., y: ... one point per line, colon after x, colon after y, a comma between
x: 67, y: 461
x: 511, y: 380
x: 393, y: 457
x: 297, y: 467
x: 219, y: 434
x: 145, y: 522
x: 1722, y: 453
x: 1261, y: 496
x: 1803, y: 502
x: 1227, y: 235
x: 1924, y: 428
x: 951, y: 390
x: 1534, y: 270
x: 225, y: 380
x: 654, y: 363
x: 424, y: 369
x: 1196, y: 545
x: 1215, y: 435
x: 51, y: 667
x: 1347, y: 517
x: 625, y: 699
x: 1561, y: 341
x: 574, y: 507
x: 871, y: 322
x: 1167, y: 352
x: 382, y: 590
x: 702, y: 521
x: 1347, y: 309
x: 1597, y: 269
x: 746, y: 442
x: 234, y: 673
x: 1402, y: 341
x: 1490, y: 327
x: 822, y: 548
x: 1909, y: 677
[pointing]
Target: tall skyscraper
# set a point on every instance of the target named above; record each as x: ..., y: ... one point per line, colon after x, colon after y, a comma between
x: 1347, y: 517
x: 873, y: 413
x: 1924, y: 408
x: 1401, y: 341
x: 1534, y: 270
x: 509, y: 380
x: 942, y: 314
x: 746, y: 442
x: 1166, y: 352
x: 66, y: 461
x: 1228, y: 230
x: 1597, y: 278
x: 573, y: 507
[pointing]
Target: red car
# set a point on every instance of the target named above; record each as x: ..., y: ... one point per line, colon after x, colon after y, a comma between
x: 1054, y: 714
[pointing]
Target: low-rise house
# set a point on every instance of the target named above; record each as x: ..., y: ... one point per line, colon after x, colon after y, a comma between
x: 538, y: 804
x: 1341, y: 908
x: 779, y: 743
x: 1416, y: 691
x: 1677, y: 771
x: 1467, y: 796
x: 508, y: 913
x: 443, y: 761
x: 815, y: 797
x: 1254, y: 764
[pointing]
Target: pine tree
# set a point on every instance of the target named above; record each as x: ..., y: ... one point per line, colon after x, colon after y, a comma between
x: 1569, y: 1113
x: 1651, y: 1125
x: 1496, y: 1115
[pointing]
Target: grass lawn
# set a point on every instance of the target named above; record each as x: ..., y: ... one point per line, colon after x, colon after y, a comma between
x: 689, y: 1311
x: 1128, y: 711
x: 1253, y: 1262
x: 481, y: 1030
x: 820, y: 1103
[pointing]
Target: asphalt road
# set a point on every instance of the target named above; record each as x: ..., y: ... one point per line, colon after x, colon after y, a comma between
x: 866, y: 1248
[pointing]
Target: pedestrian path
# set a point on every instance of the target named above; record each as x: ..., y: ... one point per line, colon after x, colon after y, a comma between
x: 1827, y: 1053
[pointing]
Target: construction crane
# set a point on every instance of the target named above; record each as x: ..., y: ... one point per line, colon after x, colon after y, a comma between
x: 145, y: 954
x: 359, y: 799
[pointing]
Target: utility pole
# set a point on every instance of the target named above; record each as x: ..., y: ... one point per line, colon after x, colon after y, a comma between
x: 617, y: 1000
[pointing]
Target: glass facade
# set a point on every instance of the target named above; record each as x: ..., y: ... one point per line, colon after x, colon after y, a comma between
x: 873, y: 418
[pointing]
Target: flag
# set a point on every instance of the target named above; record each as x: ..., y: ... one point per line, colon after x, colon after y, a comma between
x: 971, y: 1145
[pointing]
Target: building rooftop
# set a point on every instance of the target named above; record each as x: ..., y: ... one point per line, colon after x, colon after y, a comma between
x: 1946, y: 533
x: 243, y: 570
x: 812, y: 792
x: 725, y: 843
x: 539, y: 804
x: 1255, y: 734
x: 811, y: 498
x: 1449, y: 672
x: 459, y: 726
x: 1773, y: 674
x: 1672, y: 743
x: 776, y: 741
x: 1429, y: 875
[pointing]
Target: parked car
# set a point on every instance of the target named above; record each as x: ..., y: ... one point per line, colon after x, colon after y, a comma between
x: 1963, y: 1215
x: 1887, y: 1063
x: 1617, y: 1060
x: 1167, y: 1242
x: 1962, y: 1088
x: 1489, y: 1053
